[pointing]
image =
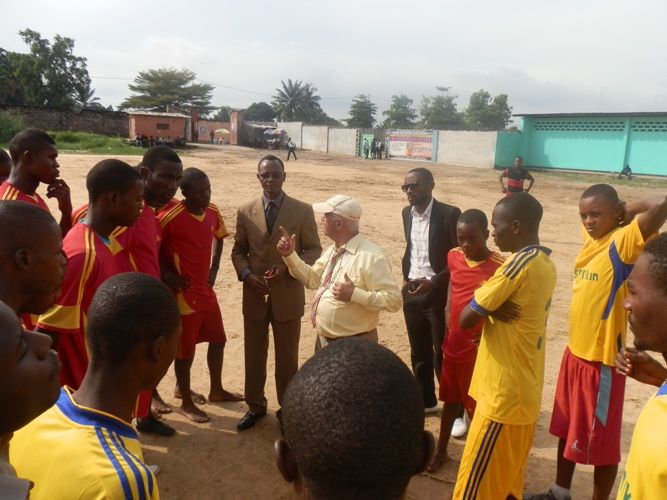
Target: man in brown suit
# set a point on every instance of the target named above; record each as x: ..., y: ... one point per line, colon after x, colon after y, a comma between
x: 270, y: 294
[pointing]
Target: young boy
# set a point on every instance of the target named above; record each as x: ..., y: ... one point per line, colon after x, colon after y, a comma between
x: 5, y: 165
x: 84, y: 445
x: 33, y: 155
x: 515, y: 178
x: 588, y: 407
x: 470, y: 265
x: 189, y: 231
x: 509, y: 371
x: 646, y: 470
x: 115, y: 194
x: 335, y: 447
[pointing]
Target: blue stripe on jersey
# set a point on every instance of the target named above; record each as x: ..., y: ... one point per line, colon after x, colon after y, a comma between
x: 621, y: 273
x: 477, y: 308
x: 546, y: 250
x: 120, y: 447
x: 85, y: 417
x: 116, y: 465
x: 519, y: 263
x: 147, y: 471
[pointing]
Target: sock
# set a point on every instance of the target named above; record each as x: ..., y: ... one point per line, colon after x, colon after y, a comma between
x: 560, y: 493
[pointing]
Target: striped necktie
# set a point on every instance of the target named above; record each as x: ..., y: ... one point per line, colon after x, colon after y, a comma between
x: 328, y: 275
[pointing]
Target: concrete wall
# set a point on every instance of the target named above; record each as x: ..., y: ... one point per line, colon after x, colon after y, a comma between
x: 343, y: 141
x: 148, y: 125
x: 293, y: 130
x: 467, y: 148
x: 315, y: 138
x: 98, y: 122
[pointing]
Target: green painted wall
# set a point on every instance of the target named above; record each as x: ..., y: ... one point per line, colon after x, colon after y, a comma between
x: 508, y: 145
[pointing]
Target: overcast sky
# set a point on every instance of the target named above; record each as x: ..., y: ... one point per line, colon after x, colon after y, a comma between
x: 548, y: 56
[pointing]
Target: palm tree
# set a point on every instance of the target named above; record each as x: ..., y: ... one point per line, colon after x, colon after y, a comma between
x: 85, y: 97
x: 295, y: 100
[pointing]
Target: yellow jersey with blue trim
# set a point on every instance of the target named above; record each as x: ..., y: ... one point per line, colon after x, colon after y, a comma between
x: 646, y: 469
x: 598, y: 322
x: 73, y: 452
x: 509, y: 371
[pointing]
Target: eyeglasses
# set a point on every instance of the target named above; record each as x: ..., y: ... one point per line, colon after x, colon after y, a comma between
x: 412, y: 185
x: 271, y: 175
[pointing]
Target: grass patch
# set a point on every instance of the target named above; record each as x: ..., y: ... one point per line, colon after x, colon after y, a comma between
x: 86, y: 143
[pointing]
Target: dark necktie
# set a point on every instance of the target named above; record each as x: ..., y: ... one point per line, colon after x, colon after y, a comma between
x: 271, y: 215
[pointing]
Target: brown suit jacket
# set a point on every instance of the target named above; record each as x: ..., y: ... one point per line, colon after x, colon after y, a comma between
x: 256, y: 249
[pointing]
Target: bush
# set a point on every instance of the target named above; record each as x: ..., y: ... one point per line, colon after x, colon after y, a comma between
x: 10, y: 125
x: 79, y: 140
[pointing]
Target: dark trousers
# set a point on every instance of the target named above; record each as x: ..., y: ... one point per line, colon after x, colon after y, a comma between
x: 291, y: 151
x: 425, y: 321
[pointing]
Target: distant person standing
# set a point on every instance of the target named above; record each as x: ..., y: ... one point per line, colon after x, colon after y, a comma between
x: 380, y: 150
x: 627, y: 171
x: 516, y: 177
x: 367, y: 149
x: 212, y: 136
x: 291, y: 148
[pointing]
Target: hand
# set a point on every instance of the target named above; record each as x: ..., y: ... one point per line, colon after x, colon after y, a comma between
x: 626, y: 216
x: 507, y: 312
x: 504, y: 189
x: 287, y: 243
x: 257, y: 284
x: 212, y: 276
x: 638, y: 365
x: 343, y: 291
x: 275, y: 273
x: 420, y: 286
x: 176, y: 281
x: 59, y: 190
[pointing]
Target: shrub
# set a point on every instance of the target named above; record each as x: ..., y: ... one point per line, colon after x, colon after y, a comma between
x: 10, y: 125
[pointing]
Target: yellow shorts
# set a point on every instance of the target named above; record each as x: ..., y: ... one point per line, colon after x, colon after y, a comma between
x: 494, y: 460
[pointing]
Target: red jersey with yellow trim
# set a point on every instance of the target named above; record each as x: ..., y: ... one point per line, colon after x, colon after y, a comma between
x: 187, y: 241
x: 90, y: 263
x: 9, y: 192
x: 466, y: 276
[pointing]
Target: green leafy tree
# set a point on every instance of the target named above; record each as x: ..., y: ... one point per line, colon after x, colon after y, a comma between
x: 260, y: 112
x: 484, y: 113
x: 400, y: 114
x: 156, y: 89
x: 85, y: 97
x: 362, y: 112
x: 222, y: 114
x: 296, y: 101
x: 11, y: 91
x: 439, y: 112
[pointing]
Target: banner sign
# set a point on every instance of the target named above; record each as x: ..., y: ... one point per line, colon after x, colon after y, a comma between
x: 419, y: 145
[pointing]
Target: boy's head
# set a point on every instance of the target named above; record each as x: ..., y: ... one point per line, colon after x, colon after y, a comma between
x: 116, y: 188
x: 518, y: 162
x: 32, y: 262
x: 515, y: 220
x: 196, y: 189
x: 5, y: 165
x: 472, y: 232
x: 34, y: 152
x: 647, y: 296
x: 418, y: 185
x: 29, y: 368
x: 133, y: 324
x: 161, y: 169
x: 353, y: 420
x: 601, y: 210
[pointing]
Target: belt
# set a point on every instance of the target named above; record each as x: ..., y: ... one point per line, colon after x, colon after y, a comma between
x: 332, y: 339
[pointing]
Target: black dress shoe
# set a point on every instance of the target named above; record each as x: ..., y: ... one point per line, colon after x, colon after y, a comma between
x: 151, y: 425
x: 249, y: 420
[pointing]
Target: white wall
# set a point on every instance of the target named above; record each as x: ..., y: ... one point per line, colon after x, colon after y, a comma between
x: 293, y: 130
x: 343, y: 141
x: 315, y: 138
x: 467, y: 148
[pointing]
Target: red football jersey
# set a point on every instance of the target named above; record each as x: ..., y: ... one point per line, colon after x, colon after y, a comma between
x: 466, y: 276
x: 187, y: 241
x: 9, y: 192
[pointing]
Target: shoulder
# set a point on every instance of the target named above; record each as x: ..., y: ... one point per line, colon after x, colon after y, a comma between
x: 520, y: 261
x: 247, y: 207
x: 300, y: 205
x: 445, y: 208
x: 166, y: 216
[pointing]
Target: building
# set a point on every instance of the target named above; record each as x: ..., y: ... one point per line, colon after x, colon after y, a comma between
x: 599, y: 142
x: 169, y: 126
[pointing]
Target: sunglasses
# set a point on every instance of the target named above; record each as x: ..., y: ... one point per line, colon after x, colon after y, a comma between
x: 412, y: 185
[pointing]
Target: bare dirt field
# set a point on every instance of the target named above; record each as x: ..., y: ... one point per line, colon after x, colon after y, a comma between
x: 213, y: 461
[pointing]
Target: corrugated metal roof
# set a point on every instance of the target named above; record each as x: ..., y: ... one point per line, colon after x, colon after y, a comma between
x: 157, y: 113
x: 595, y: 115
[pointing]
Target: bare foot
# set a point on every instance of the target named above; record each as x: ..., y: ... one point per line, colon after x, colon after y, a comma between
x: 439, y: 459
x: 194, y: 414
x: 158, y: 405
x: 195, y: 396
x: 225, y: 396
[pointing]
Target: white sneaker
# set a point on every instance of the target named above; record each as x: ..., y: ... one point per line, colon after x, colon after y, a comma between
x: 155, y: 469
x: 431, y: 409
x: 459, y: 428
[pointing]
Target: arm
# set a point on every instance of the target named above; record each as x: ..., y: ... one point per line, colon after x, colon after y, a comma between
x: 60, y: 191
x: 309, y: 276
x: 531, y: 181
x: 652, y: 214
x: 452, y: 218
x: 503, y: 189
x: 640, y: 366
x: 447, y: 306
x: 215, y: 261
x: 240, y: 252
x: 384, y: 293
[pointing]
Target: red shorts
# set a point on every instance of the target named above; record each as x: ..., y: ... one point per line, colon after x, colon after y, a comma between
x: 73, y: 357
x: 200, y: 326
x: 455, y: 380
x: 588, y: 411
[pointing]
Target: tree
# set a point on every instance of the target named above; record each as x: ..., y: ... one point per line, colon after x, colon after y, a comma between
x: 85, y: 97
x: 439, y: 112
x: 47, y: 76
x: 222, y: 114
x: 362, y: 112
x: 295, y: 101
x: 400, y: 114
x: 483, y: 113
x: 260, y: 112
x: 155, y: 89
x: 10, y: 88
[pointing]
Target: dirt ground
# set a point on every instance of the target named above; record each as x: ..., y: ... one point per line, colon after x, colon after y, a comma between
x: 213, y: 461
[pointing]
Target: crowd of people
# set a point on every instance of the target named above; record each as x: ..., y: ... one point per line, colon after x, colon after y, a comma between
x: 145, y: 141
x: 96, y: 308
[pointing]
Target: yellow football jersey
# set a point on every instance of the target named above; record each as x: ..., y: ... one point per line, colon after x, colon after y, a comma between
x: 72, y: 452
x: 646, y: 470
x: 598, y: 322
x: 509, y: 371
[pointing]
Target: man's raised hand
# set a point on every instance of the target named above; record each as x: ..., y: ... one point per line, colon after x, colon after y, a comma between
x: 287, y: 243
